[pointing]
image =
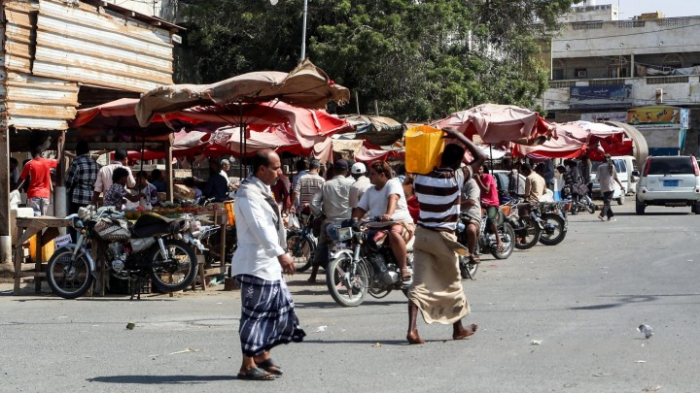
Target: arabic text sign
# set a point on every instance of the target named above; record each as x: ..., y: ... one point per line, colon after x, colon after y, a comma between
x: 600, y: 96
x: 659, y: 114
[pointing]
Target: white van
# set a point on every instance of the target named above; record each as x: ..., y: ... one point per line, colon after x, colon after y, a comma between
x: 624, y: 165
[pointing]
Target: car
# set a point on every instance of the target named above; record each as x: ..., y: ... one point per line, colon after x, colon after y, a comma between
x: 669, y: 181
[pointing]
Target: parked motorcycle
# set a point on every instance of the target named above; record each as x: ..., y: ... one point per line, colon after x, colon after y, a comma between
x: 301, y: 242
x: 486, y: 242
x: 543, y: 222
x: 584, y: 203
x: 362, y: 262
x: 154, y: 246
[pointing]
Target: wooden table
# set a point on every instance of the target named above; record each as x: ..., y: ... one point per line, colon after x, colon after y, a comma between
x: 26, y: 228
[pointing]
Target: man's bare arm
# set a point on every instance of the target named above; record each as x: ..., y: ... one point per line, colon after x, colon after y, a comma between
x: 479, y: 157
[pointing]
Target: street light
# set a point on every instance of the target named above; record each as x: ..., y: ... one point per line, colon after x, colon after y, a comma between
x: 303, y: 29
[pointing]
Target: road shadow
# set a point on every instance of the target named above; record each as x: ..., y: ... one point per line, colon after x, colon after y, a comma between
x: 162, y: 379
x: 624, y: 300
x: 332, y: 304
x: 670, y: 213
x: 362, y: 342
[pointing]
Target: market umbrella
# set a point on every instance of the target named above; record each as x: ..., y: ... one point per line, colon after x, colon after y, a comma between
x: 497, y: 124
x: 378, y: 130
x: 305, y: 87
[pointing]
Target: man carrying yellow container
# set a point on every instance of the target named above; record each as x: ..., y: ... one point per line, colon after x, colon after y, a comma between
x: 437, y: 288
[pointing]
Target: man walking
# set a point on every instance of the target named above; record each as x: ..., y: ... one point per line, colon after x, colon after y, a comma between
x: 81, y: 178
x: 437, y: 287
x: 307, y: 186
x: 104, y: 176
x: 267, y: 310
x: 333, y: 201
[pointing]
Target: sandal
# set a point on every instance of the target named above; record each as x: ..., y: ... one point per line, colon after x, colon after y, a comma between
x: 270, y: 366
x: 256, y: 374
x: 474, y: 260
x: 406, y: 275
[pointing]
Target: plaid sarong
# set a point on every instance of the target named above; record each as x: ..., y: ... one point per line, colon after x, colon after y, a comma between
x: 267, y: 315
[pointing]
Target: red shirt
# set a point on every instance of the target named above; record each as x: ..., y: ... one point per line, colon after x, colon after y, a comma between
x: 413, y: 208
x: 39, y: 171
x: 490, y: 198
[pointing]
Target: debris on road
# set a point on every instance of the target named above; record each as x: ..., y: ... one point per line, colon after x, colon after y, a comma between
x: 536, y: 342
x: 188, y: 350
x: 130, y: 325
x: 646, y: 329
x: 377, y: 345
x: 654, y: 389
x: 640, y: 361
x: 320, y: 329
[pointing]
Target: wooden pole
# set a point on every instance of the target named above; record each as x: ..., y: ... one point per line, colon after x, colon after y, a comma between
x: 376, y: 107
x: 169, y: 169
x: 357, y: 103
x: 5, y: 239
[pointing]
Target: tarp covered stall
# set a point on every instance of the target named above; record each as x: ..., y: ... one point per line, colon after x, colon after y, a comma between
x: 378, y: 130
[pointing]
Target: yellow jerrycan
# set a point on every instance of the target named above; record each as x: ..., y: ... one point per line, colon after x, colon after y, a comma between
x: 424, y: 146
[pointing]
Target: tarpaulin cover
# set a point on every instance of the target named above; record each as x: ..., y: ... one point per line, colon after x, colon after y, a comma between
x: 305, y: 87
x: 370, y: 155
x: 378, y: 130
x: 496, y: 124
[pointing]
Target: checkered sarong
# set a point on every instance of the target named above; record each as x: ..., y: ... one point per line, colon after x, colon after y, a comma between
x: 267, y: 316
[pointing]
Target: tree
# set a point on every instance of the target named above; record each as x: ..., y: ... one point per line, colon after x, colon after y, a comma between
x: 418, y: 59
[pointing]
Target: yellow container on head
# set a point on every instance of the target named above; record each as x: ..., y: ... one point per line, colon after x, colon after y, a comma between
x: 424, y: 146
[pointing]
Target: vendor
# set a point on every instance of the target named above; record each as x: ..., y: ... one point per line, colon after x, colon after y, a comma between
x: 216, y: 186
x: 147, y: 189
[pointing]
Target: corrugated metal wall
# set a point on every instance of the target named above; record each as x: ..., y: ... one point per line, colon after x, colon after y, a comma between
x: 51, y: 47
x: 101, y: 49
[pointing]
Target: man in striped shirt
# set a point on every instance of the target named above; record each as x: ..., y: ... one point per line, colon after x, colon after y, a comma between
x: 437, y: 287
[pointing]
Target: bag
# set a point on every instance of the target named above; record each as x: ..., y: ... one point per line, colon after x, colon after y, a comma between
x: 112, y: 229
x: 581, y: 189
x: 293, y: 222
x: 424, y: 146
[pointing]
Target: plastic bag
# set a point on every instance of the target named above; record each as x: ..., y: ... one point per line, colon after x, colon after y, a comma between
x: 294, y: 222
x: 15, y: 199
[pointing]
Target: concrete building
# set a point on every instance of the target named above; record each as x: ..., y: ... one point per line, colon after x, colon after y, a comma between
x: 601, y: 67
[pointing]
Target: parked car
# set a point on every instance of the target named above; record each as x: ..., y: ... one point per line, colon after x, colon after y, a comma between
x: 625, y: 166
x: 669, y: 181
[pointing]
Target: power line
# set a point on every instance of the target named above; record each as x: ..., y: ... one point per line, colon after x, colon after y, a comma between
x: 627, y: 35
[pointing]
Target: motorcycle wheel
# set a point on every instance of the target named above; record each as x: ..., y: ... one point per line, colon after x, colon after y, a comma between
x: 67, y: 278
x: 556, y: 233
x: 530, y: 235
x: 574, y: 209
x: 590, y: 206
x: 302, y: 249
x: 347, y: 288
x: 507, y: 235
x: 467, y: 270
x: 179, y: 271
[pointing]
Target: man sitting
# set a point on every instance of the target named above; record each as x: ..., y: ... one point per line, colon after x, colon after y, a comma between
x: 387, y: 201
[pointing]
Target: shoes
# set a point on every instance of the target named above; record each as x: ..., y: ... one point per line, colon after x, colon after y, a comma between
x: 601, y: 218
x: 612, y: 219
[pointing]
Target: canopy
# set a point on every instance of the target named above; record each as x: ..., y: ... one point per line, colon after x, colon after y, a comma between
x: 305, y: 87
x: 496, y: 124
x: 378, y: 130
x: 370, y: 155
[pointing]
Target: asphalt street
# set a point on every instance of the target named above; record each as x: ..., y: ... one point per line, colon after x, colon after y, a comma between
x: 552, y: 319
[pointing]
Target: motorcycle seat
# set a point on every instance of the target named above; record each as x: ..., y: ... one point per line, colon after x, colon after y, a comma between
x: 149, y: 225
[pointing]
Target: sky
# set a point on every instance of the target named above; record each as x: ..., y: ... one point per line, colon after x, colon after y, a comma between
x: 670, y: 8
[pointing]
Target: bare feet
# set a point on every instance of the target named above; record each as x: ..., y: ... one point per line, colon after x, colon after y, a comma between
x: 462, y: 333
x: 311, y: 280
x: 414, y: 338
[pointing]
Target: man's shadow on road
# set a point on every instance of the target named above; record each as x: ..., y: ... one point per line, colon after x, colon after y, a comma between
x: 162, y: 379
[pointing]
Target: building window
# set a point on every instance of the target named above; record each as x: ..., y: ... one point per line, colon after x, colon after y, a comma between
x: 557, y: 70
x: 672, y: 61
x: 581, y: 73
x: 618, y: 68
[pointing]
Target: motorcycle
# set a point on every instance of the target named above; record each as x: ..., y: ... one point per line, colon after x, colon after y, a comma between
x: 584, y: 203
x: 486, y: 242
x: 154, y: 246
x: 362, y: 262
x: 543, y: 222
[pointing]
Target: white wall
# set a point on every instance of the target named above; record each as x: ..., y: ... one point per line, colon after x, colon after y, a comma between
x: 158, y: 8
x: 588, y: 13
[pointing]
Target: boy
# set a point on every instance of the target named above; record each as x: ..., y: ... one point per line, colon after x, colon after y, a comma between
x: 147, y: 189
x: 117, y: 191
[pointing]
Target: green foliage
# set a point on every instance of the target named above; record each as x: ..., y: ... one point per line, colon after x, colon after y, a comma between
x: 418, y: 59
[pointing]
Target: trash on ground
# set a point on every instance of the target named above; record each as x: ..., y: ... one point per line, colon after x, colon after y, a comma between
x: 640, y: 361
x: 185, y: 351
x: 130, y: 325
x: 320, y: 329
x: 654, y: 389
x: 536, y: 342
x: 377, y: 345
x: 646, y: 329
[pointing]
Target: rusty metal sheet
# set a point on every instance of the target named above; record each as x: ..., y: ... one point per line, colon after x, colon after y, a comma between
x: 37, y: 102
x: 95, y: 46
x: 19, y: 35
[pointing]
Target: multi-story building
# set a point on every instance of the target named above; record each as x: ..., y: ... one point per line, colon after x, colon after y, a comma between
x: 602, y: 66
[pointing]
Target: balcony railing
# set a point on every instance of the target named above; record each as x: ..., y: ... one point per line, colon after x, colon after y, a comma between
x: 657, y: 80
x: 664, y: 80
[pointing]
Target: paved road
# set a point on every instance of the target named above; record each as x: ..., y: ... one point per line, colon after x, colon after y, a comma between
x: 582, y: 300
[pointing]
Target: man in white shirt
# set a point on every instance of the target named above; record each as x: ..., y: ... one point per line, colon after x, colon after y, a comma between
x: 361, y: 184
x: 267, y: 315
x: 307, y: 186
x: 387, y: 201
x: 104, y: 177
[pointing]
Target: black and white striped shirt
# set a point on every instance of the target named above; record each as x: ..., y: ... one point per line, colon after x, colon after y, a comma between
x: 438, y: 195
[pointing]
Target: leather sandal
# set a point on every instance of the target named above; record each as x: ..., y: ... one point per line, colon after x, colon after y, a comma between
x: 270, y: 366
x: 256, y: 374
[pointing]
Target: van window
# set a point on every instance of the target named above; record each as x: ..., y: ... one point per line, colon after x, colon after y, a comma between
x: 619, y: 166
x: 665, y: 165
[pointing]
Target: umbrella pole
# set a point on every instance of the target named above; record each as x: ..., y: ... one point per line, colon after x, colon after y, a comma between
x: 242, y: 145
x: 491, y: 157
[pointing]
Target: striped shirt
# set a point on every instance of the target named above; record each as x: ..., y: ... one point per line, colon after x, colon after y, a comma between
x: 438, y: 195
x: 307, y: 187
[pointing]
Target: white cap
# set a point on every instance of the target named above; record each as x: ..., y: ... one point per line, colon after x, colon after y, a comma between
x: 358, y: 168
